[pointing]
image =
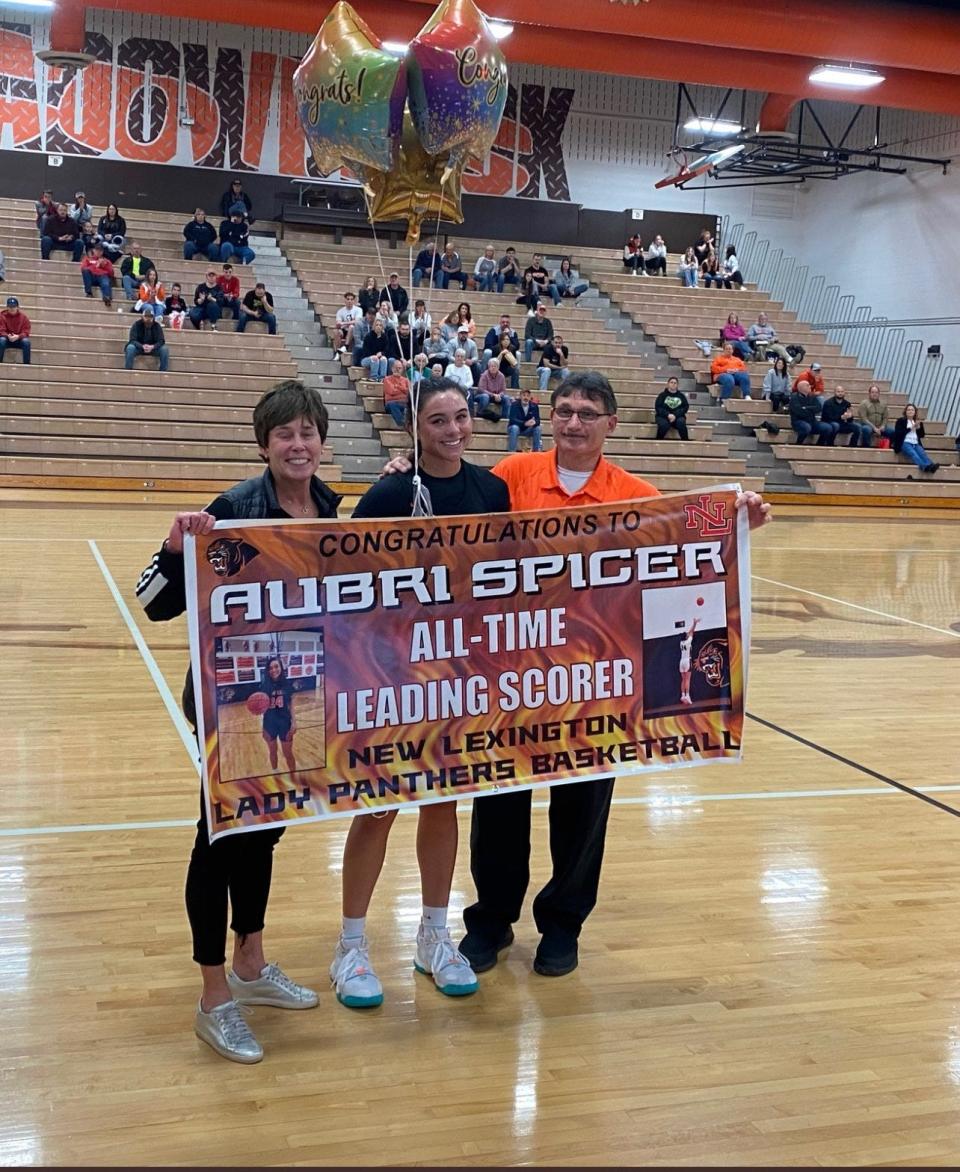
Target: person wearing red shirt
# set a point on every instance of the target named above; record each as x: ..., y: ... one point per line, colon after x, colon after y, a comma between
x: 95, y: 269
x: 231, y: 290
x: 14, y: 330
x: 814, y: 377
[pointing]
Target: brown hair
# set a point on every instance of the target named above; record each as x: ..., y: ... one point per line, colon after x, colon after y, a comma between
x: 285, y: 402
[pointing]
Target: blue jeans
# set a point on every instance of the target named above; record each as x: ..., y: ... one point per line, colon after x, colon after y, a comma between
x: 536, y: 291
x: 688, y: 277
x: 513, y: 435
x: 132, y: 349
x: 859, y: 432
x: 269, y: 318
x: 244, y: 254
x: 480, y: 399
x: 419, y: 274
x: 20, y: 344
x: 503, y: 279
x: 376, y: 368
x: 528, y: 349
x: 398, y: 411
x: 48, y: 245
x: 102, y: 283
x: 568, y: 289
x: 743, y: 350
x: 487, y: 283
x: 444, y: 279
x: 803, y: 429
x: 210, y: 311
x: 190, y: 250
x: 729, y: 379
x: 916, y: 453
x: 546, y: 373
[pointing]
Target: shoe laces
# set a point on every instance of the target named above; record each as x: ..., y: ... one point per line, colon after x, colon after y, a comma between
x: 276, y: 976
x: 233, y: 1024
x: 355, y: 962
x: 445, y: 953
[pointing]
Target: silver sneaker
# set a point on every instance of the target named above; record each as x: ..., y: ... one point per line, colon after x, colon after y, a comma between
x: 225, y: 1029
x: 272, y: 987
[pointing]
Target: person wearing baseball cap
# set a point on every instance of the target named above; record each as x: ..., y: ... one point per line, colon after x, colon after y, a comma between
x: 814, y: 376
x: 14, y: 330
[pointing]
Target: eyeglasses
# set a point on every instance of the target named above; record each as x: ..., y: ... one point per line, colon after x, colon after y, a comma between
x: 586, y: 415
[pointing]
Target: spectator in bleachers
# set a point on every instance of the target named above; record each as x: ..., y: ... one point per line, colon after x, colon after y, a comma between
x: 146, y: 337
x: 15, y: 330
x: 554, y: 362
x: 396, y: 294
x: 236, y: 195
x: 874, y: 416
x: 230, y: 288
x: 485, y: 271
x: 524, y: 419
x: 427, y: 264
x: 805, y: 415
x: 567, y: 281
x: 112, y: 230
x: 436, y: 346
x: 348, y: 315
x: 763, y: 338
x: 436, y: 370
x: 776, y: 384
x: 536, y: 282
x: 689, y: 270
x: 44, y: 206
x: 396, y: 392
x: 80, y: 211
x: 908, y: 435
x: 491, y: 399
x: 450, y: 325
x: 633, y: 260
x: 400, y: 343
x: 133, y: 268
x: 838, y: 413
x: 491, y: 342
x: 706, y: 253
x: 729, y: 274
x: 175, y: 307
x: 459, y: 371
x: 151, y: 293
x: 465, y: 318
x: 360, y: 331
x: 369, y: 296
x: 464, y: 342
x: 89, y: 237
x: 200, y: 238
x: 95, y: 269
x: 373, y: 352
x: 670, y: 410
x: 420, y: 324
x: 538, y: 332
x: 451, y: 269
x: 507, y: 354
x: 728, y: 371
x: 386, y: 314
x: 734, y: 333
x: 206, y: 302
x: 508, y: 269
x: 814, y: 377
x: 418, y: 369
x: 60, y: 234
x: 656, y: 262
x: 257, y: 305
x: 235, y: 240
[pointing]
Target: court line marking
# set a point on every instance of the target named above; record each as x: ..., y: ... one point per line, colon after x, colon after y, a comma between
x: 179, y: 721
x: 856, y: 606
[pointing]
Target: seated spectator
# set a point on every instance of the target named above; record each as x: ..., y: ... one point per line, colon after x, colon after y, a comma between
x: 874, y: 416
x: 95, y: 269
x: 200, y: 238
x: 3, y: 267
x: 670, y: 410
x: 80, y: 211
x: 464, y: 342
x: 633, y: 260
x: 554, y: 362
x: 427, y: 264
x: 728, y: 371
x: 235, y: 240
x: 485, y: 271
x: 491, y: 342
x: 763, y: 338
x: 805, y: 415
x: 233, y: 196
x: 206, y: 302
x: 436, y: 370
x: 538, y: 332
x: 689, y: 270
x: 386, y: 315
x: 151, y: 293
x: 400, y: 343
x: 508, y: 269
x: 908, y: 434
x: 706, y: 252
x: 507, y: 354
x: 373, y: 352
x: 435, y: 347
x: 729, y: 274
x: 814, y: 377
x: 146, y: 337
x: 465, y: 318
x: 449, y: 326
x: 257, y: 305
x: 89, y: 237
x: 348, y: 315
x: 369, y: 296
x: 230, y: 288
x: 837, y: 412
x: 567, y: 280
x: 459, y: 371
x: 491, y: 399
x: 656, y: 262
x: 396, y: 295
x: 420, y: 325
x: 175, y: 307
x: 396, y: 392
x: 419, y: 371
x: 524, y: 419
x: 60, y: 233
x: 536, y: 281
x: 112, y: 230
x: 451, y: 269
x: 734, y: 333
x: 133, y: 268
x: 15, y: 330
x: 360, y: 331
x: 776, y: 385
x: 44, y: 206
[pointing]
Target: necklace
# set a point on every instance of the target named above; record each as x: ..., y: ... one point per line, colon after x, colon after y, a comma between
x: 301, y: 509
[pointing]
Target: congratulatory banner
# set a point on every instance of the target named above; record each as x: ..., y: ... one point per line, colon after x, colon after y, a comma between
x: 351, y: 666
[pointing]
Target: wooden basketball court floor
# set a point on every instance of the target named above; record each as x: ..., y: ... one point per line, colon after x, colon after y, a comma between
x: 772, y: 975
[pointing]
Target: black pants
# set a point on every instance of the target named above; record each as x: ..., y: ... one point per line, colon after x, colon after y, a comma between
x: 500, y: 858
x: 657, y: 264
x: 240, y: 866
x: 680, y: 424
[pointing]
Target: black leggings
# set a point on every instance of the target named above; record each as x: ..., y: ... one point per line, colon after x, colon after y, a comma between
x: 240, y: 866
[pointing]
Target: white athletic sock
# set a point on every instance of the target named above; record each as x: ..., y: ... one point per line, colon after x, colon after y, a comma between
x: 353, y: 930
x: 434, y: 917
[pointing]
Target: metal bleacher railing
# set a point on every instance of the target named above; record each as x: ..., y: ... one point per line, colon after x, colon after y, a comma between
x: 878, y: 343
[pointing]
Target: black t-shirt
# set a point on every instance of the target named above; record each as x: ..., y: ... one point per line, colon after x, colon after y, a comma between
x: 536, y: 273
x: 552, y: 354
x: 473, y: 490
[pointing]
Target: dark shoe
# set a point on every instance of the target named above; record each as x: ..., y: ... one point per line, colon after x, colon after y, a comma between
x: 108, y: 302
x: 483, y: 950
x: 931, y: 468
x: 556, y: 956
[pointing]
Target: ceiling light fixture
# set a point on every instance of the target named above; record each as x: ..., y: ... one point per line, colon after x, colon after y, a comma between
x: 850, y: 77
x: 712, y: 126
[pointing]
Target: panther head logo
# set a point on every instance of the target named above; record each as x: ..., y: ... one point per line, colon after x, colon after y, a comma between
x: 228, y: 555
x: 712, y: 663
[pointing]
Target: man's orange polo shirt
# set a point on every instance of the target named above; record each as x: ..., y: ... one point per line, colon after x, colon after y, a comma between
x: 534, y: 484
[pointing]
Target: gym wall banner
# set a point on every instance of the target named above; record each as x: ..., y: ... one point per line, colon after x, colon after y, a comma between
x: 349, y: 666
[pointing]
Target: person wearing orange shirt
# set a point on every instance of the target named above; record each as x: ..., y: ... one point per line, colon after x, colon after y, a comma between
x: 813, y: 376
x: 729, y: 371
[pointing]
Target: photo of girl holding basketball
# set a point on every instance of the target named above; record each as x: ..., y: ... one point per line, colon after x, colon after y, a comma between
x: 278, y: 724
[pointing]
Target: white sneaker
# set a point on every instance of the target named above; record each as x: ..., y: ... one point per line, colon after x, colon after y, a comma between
x: 438, y: 956
x: 530, y: 314
x: 354, y: 981
x: 746, y: 399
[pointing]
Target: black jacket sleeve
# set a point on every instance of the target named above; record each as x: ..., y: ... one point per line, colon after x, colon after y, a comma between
x: 161, y: 588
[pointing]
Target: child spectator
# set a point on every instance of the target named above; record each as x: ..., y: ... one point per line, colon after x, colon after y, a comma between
x: 89, y: 237
x: 15, y: 330
x: 396, y: 392
x: 633, y: 256
x: 524, y: 419
x: 175, y: 307
x: 95, y: 269
x: 670, y: 410
x: 728, y: 371
x: 230, y: 288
